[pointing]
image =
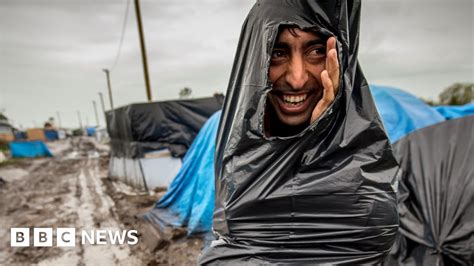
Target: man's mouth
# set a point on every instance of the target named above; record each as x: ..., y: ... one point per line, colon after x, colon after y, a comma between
x: 293, y: 104
x: 293, y: 100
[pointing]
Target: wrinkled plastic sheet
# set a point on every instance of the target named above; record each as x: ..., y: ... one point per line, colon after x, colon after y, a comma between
x: 189, y: 201
x: 457, y: 111
x: 325, y: 195
x: 402, y: 112
x: 436, y: 195
x: 29, y: 149
x: 140, y: 128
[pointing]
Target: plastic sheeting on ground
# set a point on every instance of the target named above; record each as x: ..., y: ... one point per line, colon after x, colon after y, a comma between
x: 189, y: 200
x: 29, y: 149
x: 402, y: 112
x: 436, y: 192
x: 452, y: 112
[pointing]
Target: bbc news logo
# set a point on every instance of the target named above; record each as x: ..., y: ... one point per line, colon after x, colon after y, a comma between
x: 66, y: 237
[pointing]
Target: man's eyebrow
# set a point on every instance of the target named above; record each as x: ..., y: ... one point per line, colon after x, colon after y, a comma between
x: 281, y: 45
x: 315, y: 42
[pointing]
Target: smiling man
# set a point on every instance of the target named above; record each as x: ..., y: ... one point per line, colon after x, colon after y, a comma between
x: 304, y: 169
x: 304, y: 72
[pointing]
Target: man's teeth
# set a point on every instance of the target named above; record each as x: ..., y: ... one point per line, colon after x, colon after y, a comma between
x: 294, y: 99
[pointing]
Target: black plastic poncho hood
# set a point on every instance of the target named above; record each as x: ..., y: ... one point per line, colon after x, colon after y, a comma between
x: 325, y: 195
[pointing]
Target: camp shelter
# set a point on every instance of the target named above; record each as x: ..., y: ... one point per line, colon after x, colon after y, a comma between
x: 90, y: 131
x: 455, y: 111
x: 189, y: 200
x: 51, y: 134
x: 402, y: 112
x: 435, y: 196
x: 29, y: 149
x: 148, y: 140
x: 36, y: 134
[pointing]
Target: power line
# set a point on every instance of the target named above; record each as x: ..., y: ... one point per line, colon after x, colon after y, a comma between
x: 124, y: 27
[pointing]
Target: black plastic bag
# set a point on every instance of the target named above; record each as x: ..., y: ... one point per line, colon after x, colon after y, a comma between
x: 325, y: 195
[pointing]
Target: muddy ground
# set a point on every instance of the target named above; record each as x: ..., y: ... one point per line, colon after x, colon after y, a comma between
x: 71, y: 189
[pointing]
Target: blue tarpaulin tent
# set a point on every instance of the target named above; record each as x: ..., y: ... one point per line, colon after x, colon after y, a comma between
x: 189, y: 200
x: 20, y: 135
x: 51, y: 134
x: 90, y: 131
x: 452, y: 112
x: 402, y: 112
x: 29, y: 149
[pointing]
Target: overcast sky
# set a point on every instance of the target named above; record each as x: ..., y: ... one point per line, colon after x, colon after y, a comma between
x: 52, y: 52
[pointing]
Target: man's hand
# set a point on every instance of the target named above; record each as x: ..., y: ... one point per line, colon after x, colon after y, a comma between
x: 330, y: 80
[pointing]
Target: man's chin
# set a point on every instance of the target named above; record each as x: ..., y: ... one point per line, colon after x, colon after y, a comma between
x: 293, y: 121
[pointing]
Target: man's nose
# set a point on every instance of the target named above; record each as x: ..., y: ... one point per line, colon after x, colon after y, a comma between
x: 297, y: 74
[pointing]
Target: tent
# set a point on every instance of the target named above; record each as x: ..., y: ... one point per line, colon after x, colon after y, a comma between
x: 29, y: 149
x: 51, y: 134
x: 90, y: 131
x: 148, y: 140
x: 189, y: 200
x: 436, y: 191
x: 452, y: 112
x: 402, y: 112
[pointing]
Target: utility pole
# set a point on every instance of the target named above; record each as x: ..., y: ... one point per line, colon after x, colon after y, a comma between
x: 107, y: 73
x: 103, y: 108
x: 95, y: 112
x: 80, y: 120
x: 102, y: 102
x: 142, y: 45
x: 59, y: 119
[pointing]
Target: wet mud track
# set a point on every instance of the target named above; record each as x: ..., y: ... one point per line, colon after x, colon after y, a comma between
x: 71, y: 190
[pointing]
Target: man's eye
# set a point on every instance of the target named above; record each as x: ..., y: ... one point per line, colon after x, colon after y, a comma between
x: 317, y: 52
x: 278, y: 54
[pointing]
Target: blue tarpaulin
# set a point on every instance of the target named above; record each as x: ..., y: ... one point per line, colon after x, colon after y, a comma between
x: 51, y: 134
x: 189, y: 200
x: 29, y: 149
x: 401, y: 112
x: 453, y: 112
x: 19, y: 135
x: 90, y: 131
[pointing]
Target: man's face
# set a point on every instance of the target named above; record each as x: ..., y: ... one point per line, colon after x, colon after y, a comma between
x: 297, y: 60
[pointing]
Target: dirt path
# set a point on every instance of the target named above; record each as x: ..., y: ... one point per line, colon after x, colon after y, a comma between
x: 64, y: 191
x: 71, y: 190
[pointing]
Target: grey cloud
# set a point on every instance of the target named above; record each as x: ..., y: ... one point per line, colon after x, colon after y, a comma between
x: 52, y: 51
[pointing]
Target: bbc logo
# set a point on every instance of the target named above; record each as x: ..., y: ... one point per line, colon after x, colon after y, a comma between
x: 42, y: 237
x: 66, y: 237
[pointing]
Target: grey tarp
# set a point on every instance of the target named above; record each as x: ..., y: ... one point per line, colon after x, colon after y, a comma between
x: 325, y: 195
x: 138, y: 128
x: 436, y: 195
